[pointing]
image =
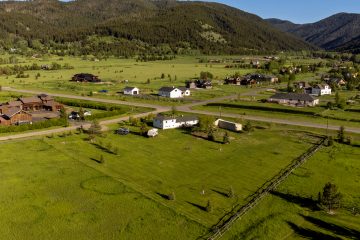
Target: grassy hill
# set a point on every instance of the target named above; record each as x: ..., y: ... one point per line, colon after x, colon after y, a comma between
x: 139, y: 25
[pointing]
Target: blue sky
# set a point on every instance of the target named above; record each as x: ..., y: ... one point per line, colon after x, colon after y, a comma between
x: 297, y: 11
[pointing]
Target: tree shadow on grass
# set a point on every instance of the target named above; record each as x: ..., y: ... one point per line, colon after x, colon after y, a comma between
x: 197, y: 206
x: 310, y: 234
x: 102, y: 148
x: 201, y: 136
x: 96, y: 160
x: 222, y: 192
x: 343, y: 231
x: 164, y: 196
x: 301, y: 201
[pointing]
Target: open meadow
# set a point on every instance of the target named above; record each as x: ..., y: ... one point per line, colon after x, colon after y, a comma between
x: 56, y: 186
x: 147, y: 76
x: 292, y: 212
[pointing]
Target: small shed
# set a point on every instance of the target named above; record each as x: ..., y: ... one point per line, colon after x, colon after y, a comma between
x: 231, y: 126
x: 131, y: 91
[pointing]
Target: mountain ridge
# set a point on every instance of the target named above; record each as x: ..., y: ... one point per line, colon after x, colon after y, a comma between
x: 331, y: 33
x: 207, y: 27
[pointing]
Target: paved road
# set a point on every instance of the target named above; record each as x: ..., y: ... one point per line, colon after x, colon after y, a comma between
x: 272, y: 120
x: 159, y: 109
x: 70, y: 128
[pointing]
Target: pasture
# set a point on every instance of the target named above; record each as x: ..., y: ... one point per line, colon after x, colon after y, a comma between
x: 291, y: 212
x: 118, y: 73
x: 56, y: 187
x: 319, y: 114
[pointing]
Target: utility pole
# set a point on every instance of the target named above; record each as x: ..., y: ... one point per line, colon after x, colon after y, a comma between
x: 220, y: 111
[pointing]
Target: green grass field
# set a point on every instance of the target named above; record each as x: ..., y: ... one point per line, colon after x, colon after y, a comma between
x: 55, y: 187
x: 311, y: 114
x: 48, y: 194
x: 115, y: 71
x: 291, y: 212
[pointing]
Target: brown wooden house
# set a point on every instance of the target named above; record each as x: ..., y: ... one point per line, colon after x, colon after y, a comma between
x: 15, y: 117
x: 85, y: 77
x: 31, y: 103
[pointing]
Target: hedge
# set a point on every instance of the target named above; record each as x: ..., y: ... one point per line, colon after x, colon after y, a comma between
x: 34, y: 126
x: 262, y: 108
x: 89, y: 104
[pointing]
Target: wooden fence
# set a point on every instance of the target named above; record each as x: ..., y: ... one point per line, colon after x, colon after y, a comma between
x: 228, y: 220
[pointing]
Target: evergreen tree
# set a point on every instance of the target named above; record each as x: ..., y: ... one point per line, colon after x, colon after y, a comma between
x: 341, y: 134
x: 331, y: 198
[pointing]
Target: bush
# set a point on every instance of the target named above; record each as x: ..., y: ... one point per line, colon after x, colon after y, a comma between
x: 248, y: 127
x: 34, y: 126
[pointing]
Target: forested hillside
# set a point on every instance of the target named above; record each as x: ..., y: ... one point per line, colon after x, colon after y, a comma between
x: 127, y: 27
x: 333, y: 33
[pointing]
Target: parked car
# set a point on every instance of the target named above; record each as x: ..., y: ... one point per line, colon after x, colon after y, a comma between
x: 122, y: 131
x: 76, y: 116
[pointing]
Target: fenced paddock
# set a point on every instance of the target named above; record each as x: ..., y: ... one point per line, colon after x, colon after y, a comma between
x: 218, y: 230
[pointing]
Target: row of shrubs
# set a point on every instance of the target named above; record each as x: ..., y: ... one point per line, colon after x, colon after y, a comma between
x: 283, y: 110
x: 263, y: 108
x: 104, y: 115
x: 89, y: 104
x: 34, y: 126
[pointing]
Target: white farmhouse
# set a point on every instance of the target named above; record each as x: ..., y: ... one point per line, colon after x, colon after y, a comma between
x: 165, y: 122
x: 185, y: 91
x: 131, y: 91
x: 174, y: 92
x: 321, y: 89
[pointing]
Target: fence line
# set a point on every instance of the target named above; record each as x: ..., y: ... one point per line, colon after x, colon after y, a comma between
x: 224, y: 224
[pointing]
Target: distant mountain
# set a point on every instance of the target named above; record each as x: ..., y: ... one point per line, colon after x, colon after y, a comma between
x: 351, y: 46
x: 331, y: 33
x: 140, y: 25
x: 283, y: 25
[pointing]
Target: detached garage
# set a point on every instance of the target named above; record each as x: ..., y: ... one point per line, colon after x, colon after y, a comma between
x: 131, y: 91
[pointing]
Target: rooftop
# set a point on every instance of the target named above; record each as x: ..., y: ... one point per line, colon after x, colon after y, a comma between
x: 293, y: 96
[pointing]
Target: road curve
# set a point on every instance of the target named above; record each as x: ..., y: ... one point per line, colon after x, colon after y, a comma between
x: 70, y: 128
x: 159, y: 109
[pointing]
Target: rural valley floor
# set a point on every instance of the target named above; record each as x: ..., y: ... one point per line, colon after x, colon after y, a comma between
x: 63, y: 185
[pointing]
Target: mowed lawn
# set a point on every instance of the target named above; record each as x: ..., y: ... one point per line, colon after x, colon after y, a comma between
x: 292, y: 213
x: 195, y: 170
x: 46, y: 194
